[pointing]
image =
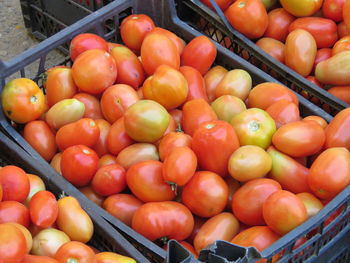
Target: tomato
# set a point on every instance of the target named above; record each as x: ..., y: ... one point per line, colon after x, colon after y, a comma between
x: 214, y: 142
x: 146, y: 121
x: 109, y: 179
x: 48, y: 241
x: 146, y: 182
x: 288, y: 172
x: 198, y: 222
x: 227, y: 106
x: 129, y: 67
x: 22, y: 100
x: 79, y: 164
x: 106, y: 160
x: 196, y: 84
x: 199, y: 53
x: 236, y: 82
x: 84, y: 42
x: 342, y: 44
x: 206, y: 194
x: 15, y: 183
x: 321, y: 55
x: 92, y: 105
x: 333, y: 9
x: 253, y: 11
x: 330, y: 172
x: 43, y: 209
x: 223, y: 226
x: 318, y: 119
x: 100, y: 146
x: 279, y: 21
x: 212, y: 78
x: 137, y: 152
x: 73, y: 220
x: 38, y: 259
x: 172, y: 141
x: 283, y: 211
x: 233, y: 186
x: 75, y: 251
x: 59, y: 85
x: 84, y: 131
x: 196, y: 112
x: 254, y: 127
x: 56, y: 163
x: 177, y: 116
x: 35, y: 185
x: 178, y: 42
x: 299, y: 138
x: 311, y: 203
x: 343, y: 30
x: 117, y: 138
x: 122, y: 207
x: 94, y: 71
x: 26, y: 233
x: 110, y: 257
x: 134, y: 28
x: 15, y: 212
x: 249, y: 162
x: 283, y: 112
x: 171, y: 128
x: 346, y: 13
x: 223, y: 4
x: 39, y: 135
x: 301, y: 8
x: 157, y: 49
x: 0, y: 193
x: 298, y: 57
x: 167, y: 86
x: 341, y: 92
x: 94, y: 197
x: 272, y: 47
x: 12, y: 244
x: 265, y: 94
x: 64, y: 112
x: 248, y: 200
x: 165, y: 220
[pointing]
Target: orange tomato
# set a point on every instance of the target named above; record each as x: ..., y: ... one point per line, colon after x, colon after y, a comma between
x: 179, y: 43
x: 341, y: 92
x: 92, y: 105
x: 89, y: 193
x: 172, y: 141
x: 106, y: 160
x: 342, y: 44
x: 346, y: 13
x: 117, y: 138
x: 212, y: 79
x: 110, y: 257
x: 283, y: 112
x: 279, y: 21
x: 317, y: 119
x: 272, y: 47
x: 100, y: 146
x: 196, y: 84
x: 343, y: 31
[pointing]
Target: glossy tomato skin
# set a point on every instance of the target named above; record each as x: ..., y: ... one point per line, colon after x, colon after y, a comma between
x: 136, y: 153
x: 13, y: 247
x: 109, y: 179
x: 196, y: 84
x: 35, y: 185
x: 110, y: 257
x: 223, y: 4
x: 272, y: 47
x: 342, y: 44
x: 311, y: 203
x: 333, y: 9
x: 341, y: 92
x: 283, y: 211
x: 346, y: 13
x: 206, y: 194
x: 168, y: 219
x: 77, y: 251
x: 15, y: 183
x: 253, y: 11
x: 90, y: 194
x: 214, y: 142
x: 117, y: 138
x: 301, y: 8
x: 279, y: 21
x: 79, y: 164
x: 92, y: 105
x: 178, y: 42
x: 106, y: 160
x: 330, y: 173
x: 322, y: 54
x: 299, y: 139
x: 343, y: 31
x: 38, y: 259
x: 148, y: 173
x: 100, y: 146
x: 171, y: 141
x: 199, y: 53
x: 248, y: 200
x: 15, y: 212
x: 317, y: 119
x: 43, y: 209
x: 212, y: 78
x: 283, y: 112
x: 86, y: 41
x: 39, y: 135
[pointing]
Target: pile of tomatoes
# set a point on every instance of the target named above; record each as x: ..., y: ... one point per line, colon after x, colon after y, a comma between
x: 312, y: 37
x: 177, y: 148
x: 35, y: 227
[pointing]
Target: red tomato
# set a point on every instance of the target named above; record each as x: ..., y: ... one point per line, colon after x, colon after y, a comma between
x: 283, y: 211
x: 195, y: 81
x: 92, y: 105
x: 15, y: 183
x: 106, y: 160
x: 233, y: 186
x: 79, y: 164
x: 337, y: 132
x: 117, y: 138
x: 206, y: 194
x: 171, y: 128
x: 43, y: 209
x: 212, y: 79
x: 279, y: 21
x: 346, y: 13
x: 178, y: 42
x: 88, y: 78
x: 248, y: 200
x: 36, y: 185
x: 341, y: 92
x: 146, y: 182
x: 172, y: 141
x: 56, y: 163
x: 84, y: 131
x: 134, y: 28
x: 75, y: 251
x: 341, y: 45
x: 199, y: 53
x: 198, y: 222
x: 86, y: 41
x: 170, y: 220
x: 89, y: 193
x: 283, y: 112
x: 272, y: 47
x: 343, y: 31
x: 13, y: 246
x: 253, y: 11
x: 39, y: 135
x: 299, y: 138
x: 317, y: 119
x: 177, y: 116
x: 330, y: 172
x: 311, y: 203
x: 196, y: 112
x: 321, y: 55
x: 223, y: 4
x: 14, y: 212
x: 137, y: 152
x: 100, y: 146
x: 122, y: 207
x: 333, y: 9
x: 109, y: 180
x: 214, y: 142
x: 38, y: 259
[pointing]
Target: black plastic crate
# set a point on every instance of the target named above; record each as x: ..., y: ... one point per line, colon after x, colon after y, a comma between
x: 105, y: 238
x: 218, y: 28
x: 105, y: 22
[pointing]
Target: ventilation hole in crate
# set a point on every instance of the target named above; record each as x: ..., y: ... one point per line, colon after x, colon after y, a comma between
x: 344, y: 257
